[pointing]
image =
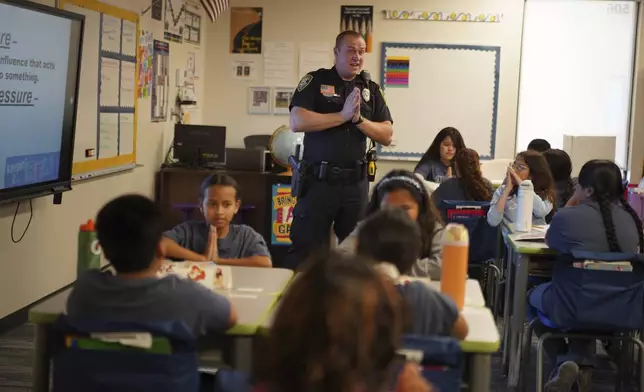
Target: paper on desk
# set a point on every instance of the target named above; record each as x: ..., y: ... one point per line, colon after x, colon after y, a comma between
x: 131, y: 339
x: 214, y: 277
x: 535, y: 233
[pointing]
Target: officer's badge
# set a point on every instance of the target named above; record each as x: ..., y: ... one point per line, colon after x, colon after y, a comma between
x: 304, y: 82
x: 366, y: 94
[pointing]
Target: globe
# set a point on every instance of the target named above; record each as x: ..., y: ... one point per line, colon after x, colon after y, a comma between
x: 283, y: 144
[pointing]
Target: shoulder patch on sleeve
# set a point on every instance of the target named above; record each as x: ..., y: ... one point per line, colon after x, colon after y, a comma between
x: 382, y: 94
x: 306, y: 80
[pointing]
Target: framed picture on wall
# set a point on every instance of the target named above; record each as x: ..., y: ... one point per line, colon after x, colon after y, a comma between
x: 258, y: 100
x: 281, y: 99
x: 192, y: 28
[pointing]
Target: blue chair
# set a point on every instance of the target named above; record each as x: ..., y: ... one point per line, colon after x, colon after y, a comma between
x: 82, y: 362
x: 483, y: 239
x: 594, y: 304
x: 440, y: 357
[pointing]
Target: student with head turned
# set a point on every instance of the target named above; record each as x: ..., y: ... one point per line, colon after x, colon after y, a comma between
x: 528, y: 165
x: 468, y: 183
x: 129, y: 230
x: 600, y: 221
x: 436, y: 164
x: 216, y: 238
x: 402, y: 189
x: 561, y: 169
x: 391, y: 238
x: 539, y: 145
x: 337, y: 328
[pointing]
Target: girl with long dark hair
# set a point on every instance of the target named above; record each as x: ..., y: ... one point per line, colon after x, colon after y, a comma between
x: 468, y: 184
x: 436, y: 164
x: 600, y: 221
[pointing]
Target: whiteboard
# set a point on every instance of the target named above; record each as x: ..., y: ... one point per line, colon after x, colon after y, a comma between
x: 106, y: 123
x: 432, y: 86
x: 577, y: 78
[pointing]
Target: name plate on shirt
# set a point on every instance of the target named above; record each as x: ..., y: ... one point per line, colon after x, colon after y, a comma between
x: 211, y: 275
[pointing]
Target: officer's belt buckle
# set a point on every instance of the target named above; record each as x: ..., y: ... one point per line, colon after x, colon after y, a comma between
x: 337, y: 170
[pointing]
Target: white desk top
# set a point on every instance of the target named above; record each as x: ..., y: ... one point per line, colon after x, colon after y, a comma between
x: 483, y: 335
x: 473, y: 293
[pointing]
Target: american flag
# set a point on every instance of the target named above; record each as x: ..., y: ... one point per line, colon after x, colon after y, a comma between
x: 214, y: 8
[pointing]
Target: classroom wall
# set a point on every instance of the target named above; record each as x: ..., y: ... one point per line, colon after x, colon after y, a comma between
x: 312, y: 21
x: 45, y: 260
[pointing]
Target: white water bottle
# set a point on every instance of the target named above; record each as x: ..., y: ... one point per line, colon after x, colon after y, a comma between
x: 524, y: 206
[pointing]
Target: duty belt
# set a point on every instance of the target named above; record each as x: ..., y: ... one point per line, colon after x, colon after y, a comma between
x: 325, y: 171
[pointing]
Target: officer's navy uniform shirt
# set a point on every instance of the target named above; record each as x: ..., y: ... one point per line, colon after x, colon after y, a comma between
x: 324, y: 91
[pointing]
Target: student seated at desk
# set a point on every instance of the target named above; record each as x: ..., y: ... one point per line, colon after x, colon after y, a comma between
x: 129, y: 230
x: 392, y: 239
x: 400, y: 188
x: 337, y: 328
x: 215, y: 238
x: 528, y: 165
x: 436, y: 164
x: 468, y: 184
x: 599, y: 220
x: 561, y: 169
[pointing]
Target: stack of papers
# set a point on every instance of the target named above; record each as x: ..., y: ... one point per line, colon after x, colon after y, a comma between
x: 211, y: 275
x: 537, y: 233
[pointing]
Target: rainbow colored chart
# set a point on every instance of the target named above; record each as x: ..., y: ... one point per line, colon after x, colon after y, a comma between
x: 397, y: 72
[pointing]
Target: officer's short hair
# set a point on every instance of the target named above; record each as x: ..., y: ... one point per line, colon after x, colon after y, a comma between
x: 347, y: 33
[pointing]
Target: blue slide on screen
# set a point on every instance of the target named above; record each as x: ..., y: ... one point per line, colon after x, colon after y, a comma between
x: 34, y: 52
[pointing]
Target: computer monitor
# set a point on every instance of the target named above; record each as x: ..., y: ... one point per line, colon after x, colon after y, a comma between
x: 200, y: 145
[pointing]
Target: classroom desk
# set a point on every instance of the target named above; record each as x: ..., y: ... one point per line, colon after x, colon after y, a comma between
x: 473, y: 294
x: 253, y: 309
x: 481, y: 342
x: 253, y: 280
x: 514, y: 310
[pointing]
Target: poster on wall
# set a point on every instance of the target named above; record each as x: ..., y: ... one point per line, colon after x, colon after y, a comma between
x: 157, y: 10
x: 144, y: 59
x: 246, y: 30
x: 358, y: 18
x: 160, y: 81
x: 281, y: 214
x: 173, y: 21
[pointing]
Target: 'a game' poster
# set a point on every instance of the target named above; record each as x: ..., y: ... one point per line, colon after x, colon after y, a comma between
x: 282, y: 214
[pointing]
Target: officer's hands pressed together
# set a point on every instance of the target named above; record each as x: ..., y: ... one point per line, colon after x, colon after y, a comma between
x: 337, y: 109
x: 351, y: 109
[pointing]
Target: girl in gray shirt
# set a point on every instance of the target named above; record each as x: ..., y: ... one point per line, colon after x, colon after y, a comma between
x: 402, y: 189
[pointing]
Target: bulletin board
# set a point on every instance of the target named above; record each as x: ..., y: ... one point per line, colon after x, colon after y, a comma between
x: 106, y: 117
x: 432, y: 86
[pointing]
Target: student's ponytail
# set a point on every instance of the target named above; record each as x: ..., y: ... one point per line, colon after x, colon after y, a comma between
x: 636, y: 219
x: 607, y: 217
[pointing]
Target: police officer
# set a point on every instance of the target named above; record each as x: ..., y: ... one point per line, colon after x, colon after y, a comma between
x: 337, y: 109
